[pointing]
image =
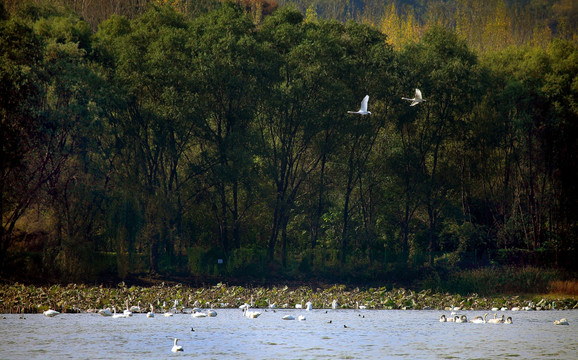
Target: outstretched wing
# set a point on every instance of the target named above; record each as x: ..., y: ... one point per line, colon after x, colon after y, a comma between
x: 364, y: 104
x: 418, y: 94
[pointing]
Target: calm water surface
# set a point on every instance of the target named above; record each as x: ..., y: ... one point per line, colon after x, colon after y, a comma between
x: 352, y: 334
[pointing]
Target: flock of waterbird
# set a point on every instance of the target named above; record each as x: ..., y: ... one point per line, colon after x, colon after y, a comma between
x: 247, y: 309
x: 417, y: 98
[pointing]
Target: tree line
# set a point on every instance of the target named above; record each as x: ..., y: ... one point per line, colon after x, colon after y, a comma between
x: 169, y: 136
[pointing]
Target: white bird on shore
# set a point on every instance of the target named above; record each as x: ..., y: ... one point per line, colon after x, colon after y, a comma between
x: 176, y: 348
x: 417, y: 98
x: 363, y: 109
x: 334, y: 304
x: 51, y: 313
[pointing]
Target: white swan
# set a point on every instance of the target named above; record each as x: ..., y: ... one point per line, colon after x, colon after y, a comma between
x: 561, y: 322
x: 271, y: 306
x: 288, y: 317
x: 417, y: 98
x: 117, y: 316
x: 127, y: 312
x: 198, y: 314
x: 105, y: 312
x: 443, y: 318
x: 299, y: 306
x: 176, y: 348
x: 496, y: 320
x: 301, y: 318
x: 151, y: 313
x: 479, y: 319
x: 334, y: 304
x: 211, y: 313
x: 251, y: 314
x: 135, y: 309
x: 508, y: 320
x: 168, y: 314
x: 360, y: 307
x: 363, y: 109
x: 461, y: 319
x: 50, y: 313
x: 309, y: 306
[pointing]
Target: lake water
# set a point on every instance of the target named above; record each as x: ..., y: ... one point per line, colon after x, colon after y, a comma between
x: 352, y: 334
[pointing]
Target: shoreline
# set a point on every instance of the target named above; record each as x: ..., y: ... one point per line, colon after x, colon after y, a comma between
x: 80, y: 298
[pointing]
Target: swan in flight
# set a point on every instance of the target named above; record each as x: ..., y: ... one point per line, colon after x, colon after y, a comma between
x: 176, y: 348
x: 51, y: 313
x: 363, y: 109
x: 561, y: 322
x: 417, y: 98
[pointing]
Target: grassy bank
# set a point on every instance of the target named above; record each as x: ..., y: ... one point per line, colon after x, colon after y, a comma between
x: 476, y: 289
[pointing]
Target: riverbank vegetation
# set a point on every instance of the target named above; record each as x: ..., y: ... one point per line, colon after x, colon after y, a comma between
x: 502, y: 291
x: 213, y: 143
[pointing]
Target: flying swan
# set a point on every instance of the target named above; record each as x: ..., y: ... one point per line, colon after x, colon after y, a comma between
x: 363, y: 109
x: 417, y: 98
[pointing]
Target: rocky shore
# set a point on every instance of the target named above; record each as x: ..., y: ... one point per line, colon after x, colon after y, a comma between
x: 19, y: 298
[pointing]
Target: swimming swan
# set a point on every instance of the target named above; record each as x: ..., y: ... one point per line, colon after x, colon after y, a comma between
x: 151, y: 313
x: 288, y: 317
x: 496, y: 320
x: 251, y: 314
x: 363, y: 109
x: 105, y: 312
x: 461, y: 319
x: 417, y: 98
x: 309, y: 306
x: 117, y: 316
x: 443, y: 318
x: 508, y: 320
x: 334, y: 304
x: 561, y: 322
x: 176, y: 348
x: 51, y: 313
x: 479, y: 319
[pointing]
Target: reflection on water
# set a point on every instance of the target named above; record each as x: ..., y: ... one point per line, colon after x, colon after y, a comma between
x: 331, y: 334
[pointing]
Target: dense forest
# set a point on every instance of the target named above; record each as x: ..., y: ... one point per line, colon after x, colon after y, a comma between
x: 213, y: 138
